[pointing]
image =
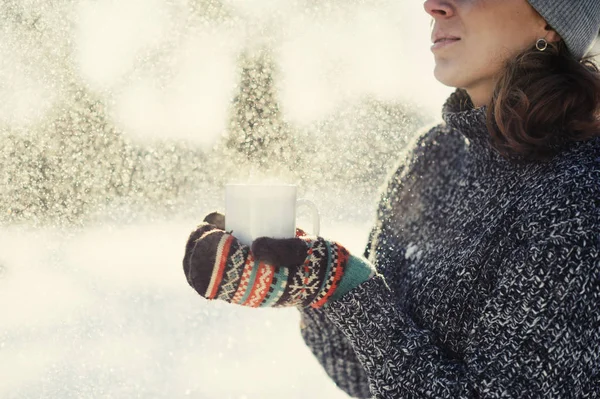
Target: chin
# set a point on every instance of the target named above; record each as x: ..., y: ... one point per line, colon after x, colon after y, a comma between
x: 446, y: 77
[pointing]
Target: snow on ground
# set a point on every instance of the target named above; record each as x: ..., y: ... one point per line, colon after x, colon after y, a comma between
x: 105, y: 312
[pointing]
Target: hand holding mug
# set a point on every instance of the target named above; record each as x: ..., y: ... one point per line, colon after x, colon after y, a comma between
x: 275, y: 272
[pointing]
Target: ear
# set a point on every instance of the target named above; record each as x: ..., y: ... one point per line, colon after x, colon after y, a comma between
x: 551, y: 35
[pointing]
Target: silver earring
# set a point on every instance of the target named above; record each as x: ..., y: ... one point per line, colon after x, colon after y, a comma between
x: 541, y: 44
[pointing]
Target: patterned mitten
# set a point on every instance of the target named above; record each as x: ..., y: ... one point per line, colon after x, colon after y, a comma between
x: 299, y: 271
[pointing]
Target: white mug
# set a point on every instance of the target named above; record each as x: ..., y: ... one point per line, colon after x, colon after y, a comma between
x: 264, y: 210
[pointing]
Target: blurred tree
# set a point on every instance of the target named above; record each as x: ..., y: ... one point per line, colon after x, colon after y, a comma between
x: 256, y: 128
x: 208, y: 10
x: 77, y: 163
x: 74, y: 162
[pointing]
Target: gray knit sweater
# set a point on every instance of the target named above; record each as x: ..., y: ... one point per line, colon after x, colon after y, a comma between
x: 490, y: 276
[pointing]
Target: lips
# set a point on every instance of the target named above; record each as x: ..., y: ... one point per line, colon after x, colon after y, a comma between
x: 446, y: 39
x: 443, y: 43
x: 438, y: 37
x: 441, y: 39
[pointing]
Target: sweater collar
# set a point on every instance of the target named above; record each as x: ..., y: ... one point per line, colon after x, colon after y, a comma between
x: 460, y: 114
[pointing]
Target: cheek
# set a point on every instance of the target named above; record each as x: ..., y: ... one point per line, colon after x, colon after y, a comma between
x: 488, y: 60
x: 487, y: 51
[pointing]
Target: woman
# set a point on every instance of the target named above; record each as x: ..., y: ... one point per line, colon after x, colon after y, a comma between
x: 487, y: 241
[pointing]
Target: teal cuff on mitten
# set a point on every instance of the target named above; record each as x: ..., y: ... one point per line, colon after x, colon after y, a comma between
x: 358, y: 270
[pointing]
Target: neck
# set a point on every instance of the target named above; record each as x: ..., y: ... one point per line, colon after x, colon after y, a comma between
x: 481, y: 94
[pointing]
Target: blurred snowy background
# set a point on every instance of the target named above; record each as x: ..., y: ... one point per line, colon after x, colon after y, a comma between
x: 121, y: 120
x: 141, y: 103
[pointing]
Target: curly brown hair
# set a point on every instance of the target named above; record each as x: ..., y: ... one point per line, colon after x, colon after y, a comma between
x: 543, y: 101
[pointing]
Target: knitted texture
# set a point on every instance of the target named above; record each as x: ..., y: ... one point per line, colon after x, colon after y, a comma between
x: 358, y: 270
x: 334, y: 352
x: 218, y: 266
x: 491, y: 275
x: 576, y: 21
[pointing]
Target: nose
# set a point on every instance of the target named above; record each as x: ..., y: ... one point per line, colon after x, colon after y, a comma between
x: 438, y: 8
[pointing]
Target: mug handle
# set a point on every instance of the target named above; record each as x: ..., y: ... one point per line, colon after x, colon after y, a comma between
x: 316, y: 218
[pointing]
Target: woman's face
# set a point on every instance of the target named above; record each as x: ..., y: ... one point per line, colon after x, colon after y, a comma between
x: 477, y: 37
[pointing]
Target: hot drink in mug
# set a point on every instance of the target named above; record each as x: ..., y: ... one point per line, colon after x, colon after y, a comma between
x: 264, y: 210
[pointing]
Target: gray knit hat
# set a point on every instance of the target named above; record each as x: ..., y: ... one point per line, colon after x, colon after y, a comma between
x: 576, y: 21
